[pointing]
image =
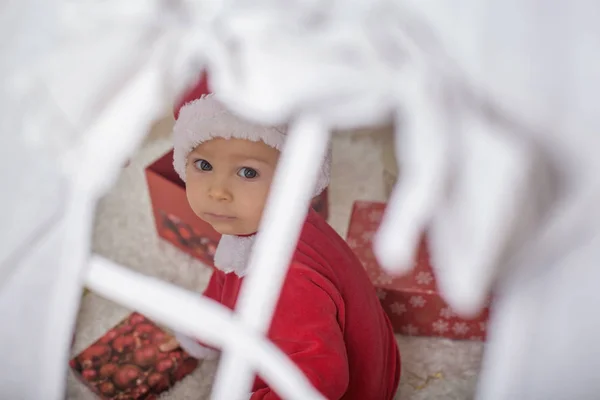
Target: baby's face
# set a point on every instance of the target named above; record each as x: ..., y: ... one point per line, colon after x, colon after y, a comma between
x: 227, y: 183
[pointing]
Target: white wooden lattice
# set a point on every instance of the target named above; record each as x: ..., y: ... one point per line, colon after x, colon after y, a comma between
x: 495, y: 103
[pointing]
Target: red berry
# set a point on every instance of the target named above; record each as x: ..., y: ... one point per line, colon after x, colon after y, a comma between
x: 159, y: 337
x: 126, y: 376
x: 108, y: 370
x: 123, y: 343
x: 164, y: 365
x: 107, y: 388
x: 145, y: 356
x: 169, y: 235
x: 145, y: 330
x: 136, y: 319
x: 109, y: 336
x: 185, y: 232
x: 158, y: 382
x: 125, y: 329
x: 89, y: 374
x: 95, y: 355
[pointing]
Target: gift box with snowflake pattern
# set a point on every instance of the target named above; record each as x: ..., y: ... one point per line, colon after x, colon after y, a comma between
x: 412, y: 301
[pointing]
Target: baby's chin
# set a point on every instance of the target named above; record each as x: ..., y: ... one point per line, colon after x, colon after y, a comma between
x: 231, y: 229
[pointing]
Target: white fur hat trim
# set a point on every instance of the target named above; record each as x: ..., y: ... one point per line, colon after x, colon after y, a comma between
x: 205, y: 119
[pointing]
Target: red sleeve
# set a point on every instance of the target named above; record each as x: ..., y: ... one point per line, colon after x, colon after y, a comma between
x: 306, y: 327
x: 213, y: 291
x: 215, y: 286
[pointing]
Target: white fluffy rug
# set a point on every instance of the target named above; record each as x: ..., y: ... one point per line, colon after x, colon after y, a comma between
x: 124, y: 232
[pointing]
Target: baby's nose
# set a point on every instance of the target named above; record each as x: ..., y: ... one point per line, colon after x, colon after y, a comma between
x: 218, y: 191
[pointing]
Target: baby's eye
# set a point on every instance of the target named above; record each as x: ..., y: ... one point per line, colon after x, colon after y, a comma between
x: 248, y: 173
x: 203, y: 165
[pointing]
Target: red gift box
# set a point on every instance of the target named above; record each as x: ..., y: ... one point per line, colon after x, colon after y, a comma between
x: 174, y: 219
x: 126, y: 363
x: 412, y: 301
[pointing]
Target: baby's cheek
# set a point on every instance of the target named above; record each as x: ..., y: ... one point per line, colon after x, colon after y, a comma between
x: 255, y: 214
x: 253, y: 205
x: 252, y: 214
x: 196, y: 201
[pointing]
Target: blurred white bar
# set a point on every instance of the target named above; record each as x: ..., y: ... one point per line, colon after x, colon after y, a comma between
x: 422, y: 146
x: 287, y: 207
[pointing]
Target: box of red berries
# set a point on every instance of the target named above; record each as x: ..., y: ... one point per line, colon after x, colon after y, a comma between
x: 127, y: 364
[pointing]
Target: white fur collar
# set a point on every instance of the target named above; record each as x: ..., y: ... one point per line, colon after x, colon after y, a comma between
x: 233, y: 253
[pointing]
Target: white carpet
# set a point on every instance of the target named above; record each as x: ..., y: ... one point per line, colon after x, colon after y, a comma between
x: 124, y: 232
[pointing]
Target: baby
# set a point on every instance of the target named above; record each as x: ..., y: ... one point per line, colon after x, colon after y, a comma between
x: 328, y: 319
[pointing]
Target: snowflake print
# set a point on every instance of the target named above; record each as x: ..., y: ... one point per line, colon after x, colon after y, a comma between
x: 446, y: 312
x: 352, y: 243
x: 397, y: 308
x: 375, y: 216
x: 424, y: 278
x: 382, y: 280
x: 410, y: 330
x: 367, y: 236
x: 478, y: 338
x: 356, y: 229
x: 482, y: 326
x: 381, y: 294
x: 417, y: 301
x: 460, y: 328
x: 440, y: 326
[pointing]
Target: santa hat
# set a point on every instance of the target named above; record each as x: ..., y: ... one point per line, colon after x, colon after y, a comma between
x: 200, y: 117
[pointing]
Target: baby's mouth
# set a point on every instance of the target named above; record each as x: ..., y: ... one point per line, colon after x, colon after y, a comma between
x: 221, y: 217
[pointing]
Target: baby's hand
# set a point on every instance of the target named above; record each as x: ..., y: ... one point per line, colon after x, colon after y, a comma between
x: 169, y: 344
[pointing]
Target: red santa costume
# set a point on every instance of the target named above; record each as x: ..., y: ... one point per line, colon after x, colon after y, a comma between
x: 328, y: 319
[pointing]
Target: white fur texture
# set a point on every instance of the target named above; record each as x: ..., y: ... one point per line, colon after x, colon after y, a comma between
x: 206, y: 118
x: 233, y: 252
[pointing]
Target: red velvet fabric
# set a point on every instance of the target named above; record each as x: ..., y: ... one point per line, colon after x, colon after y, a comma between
x: 328, y: 320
